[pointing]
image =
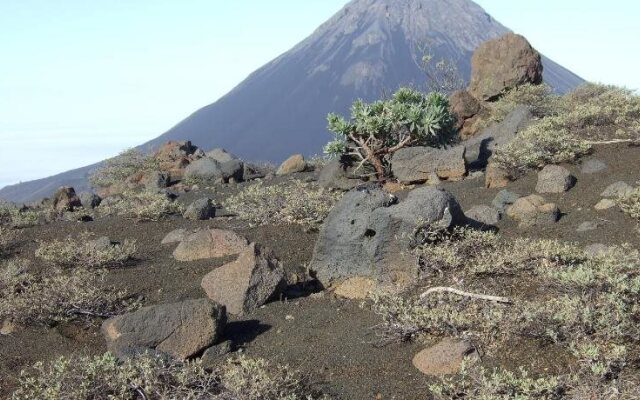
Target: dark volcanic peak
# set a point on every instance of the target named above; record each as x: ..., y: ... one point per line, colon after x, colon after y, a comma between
x: 368, y: 48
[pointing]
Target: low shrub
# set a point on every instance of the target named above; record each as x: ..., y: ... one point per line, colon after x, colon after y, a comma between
x: 589, y: 305
x: 7, y: 237
x: 86, y: 252
x: 56, y: 295
x: 293, y: 202
x: 143, y: 206
x: 630, y: 204
x: 117, y: 169
x: 539, y: 98
x: 152, y: 377
x: 540, y: 144
x: 23, y: 217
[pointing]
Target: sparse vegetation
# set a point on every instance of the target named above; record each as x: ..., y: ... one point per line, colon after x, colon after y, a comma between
x: 630, y: 204
x: 7, y: 238
x: 86, y: 252
x: 570, y: 124
x: 117, y: 169
x: 22, y: 217
x: 56, y: 295
x: 294, y: 202
x: 151, y: 377
x: 143, y: 206
x: 377, y: 130
x: 589, y: 306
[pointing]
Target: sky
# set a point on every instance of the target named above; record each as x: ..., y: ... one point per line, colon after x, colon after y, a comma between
x: 82, y: 80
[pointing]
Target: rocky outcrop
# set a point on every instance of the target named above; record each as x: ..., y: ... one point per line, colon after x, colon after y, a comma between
x: 467, y: 110
x: 89, y: 200
x: 247, y: 283
x: 209, y: 170
x: 502, y: 64
x: 417, y: 164
x: 65, y: 199
x: 368, y: 232
x: 180, y: 329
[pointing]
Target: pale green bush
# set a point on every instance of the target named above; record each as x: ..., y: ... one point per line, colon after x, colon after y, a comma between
x: 630, y: 204
x: 539, y: 98
x: 143, y: 206
x: 56, y: 295
x: 84, y: 252
x: 117, y: 169
x: 540, y: 144
x: 23, y: 217
x: 7, y: 237
x: 293, y: 202
x: 151, y: 377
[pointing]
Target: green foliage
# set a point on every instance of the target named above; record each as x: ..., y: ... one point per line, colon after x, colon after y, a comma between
x: 143, y: 206
x: 376, y: 130
x: 154, y: 378
x: 293, y: 202
x: 543, y: 143
x: 56, y: 295
x: 85, y: 252
x: 539, y: 98
x: 117, y: 169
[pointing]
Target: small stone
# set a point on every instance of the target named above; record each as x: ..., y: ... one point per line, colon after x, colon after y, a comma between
x: 484, y: 214
x: 175, y: 236
x: 593, y: 166
x: 293, y: 164
x: 554, y: 179
x: 213, y: 353
x: 533, y: 210
x: 587, y: 226
x: 356, y: 288
x: 605, y: 204
x: 209, y: 243
x: 445, y: 358
x: 503, y: 199
x: 7, y: 328
x: 496, y: 177
x: 618, y: 189
x: 201, y: 209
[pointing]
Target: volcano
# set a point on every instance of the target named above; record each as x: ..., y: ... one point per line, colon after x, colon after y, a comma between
x: 368, y: 48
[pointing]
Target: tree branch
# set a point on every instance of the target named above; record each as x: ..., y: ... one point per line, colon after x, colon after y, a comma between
x: 497, y: 299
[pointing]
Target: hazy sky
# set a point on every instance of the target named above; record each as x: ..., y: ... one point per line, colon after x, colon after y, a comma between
x: 82, y: 80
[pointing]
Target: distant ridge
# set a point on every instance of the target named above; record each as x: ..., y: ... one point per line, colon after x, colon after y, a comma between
x: 367, y: 48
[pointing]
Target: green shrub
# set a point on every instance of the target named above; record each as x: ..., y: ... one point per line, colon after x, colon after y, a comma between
x: 293, y: 202
x: 143, y: 206
x: 56, y: 295
x: 543, y: 143
x: 148, y: 377
x: 117, y: 169
x: 539, y: 98
x: 85, y: 252
x: 377, y: 130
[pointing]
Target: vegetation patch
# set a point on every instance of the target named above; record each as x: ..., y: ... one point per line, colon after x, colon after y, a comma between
x: 151, y: 377
x: 630, y: 204
x: 584, y: 304
x: 293, y: 202
x: 86, y: 252
x: 7, y: 237
x: 143, y: 206
x: 22, y: 217
x: 117, y: 169
x: 56, y: 295
x: 569, y: 125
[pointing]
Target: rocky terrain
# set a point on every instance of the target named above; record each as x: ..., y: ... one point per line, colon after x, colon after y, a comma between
x: 503, y: 265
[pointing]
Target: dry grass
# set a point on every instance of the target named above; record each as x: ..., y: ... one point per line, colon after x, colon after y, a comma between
x: 293, y: 202
x: 143, y: 206
x: 151, y: 377
x: 586, y: 305
x: 57, y: 295
x: 86, y: 252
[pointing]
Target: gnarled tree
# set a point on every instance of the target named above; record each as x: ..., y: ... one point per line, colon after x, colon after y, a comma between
x: 377, y: 130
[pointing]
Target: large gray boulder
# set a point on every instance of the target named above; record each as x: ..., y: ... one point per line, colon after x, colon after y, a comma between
x: 232, y: 169
x: 554, y: 179
x: 339, y: 174
x: 368, y: 233
x: 209, y: 170
x: 481, y: 147
x: 179, y: 329
x: 221, y: 155
x: 89, y: 200
x: 201, y: 209
x: 417, y: 164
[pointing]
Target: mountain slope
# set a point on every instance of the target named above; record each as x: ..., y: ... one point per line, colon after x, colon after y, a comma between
x: 368, y: 48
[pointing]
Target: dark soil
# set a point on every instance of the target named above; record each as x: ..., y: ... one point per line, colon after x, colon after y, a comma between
x: 331, y: 340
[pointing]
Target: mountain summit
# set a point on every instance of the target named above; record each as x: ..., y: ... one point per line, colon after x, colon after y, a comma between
x: 368, y: 48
